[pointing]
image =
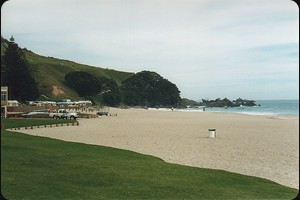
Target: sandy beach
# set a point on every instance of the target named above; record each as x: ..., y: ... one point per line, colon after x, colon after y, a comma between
x: 262, y: 146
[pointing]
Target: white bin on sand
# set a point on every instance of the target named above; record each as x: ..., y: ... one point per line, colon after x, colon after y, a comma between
x: 212, y: 132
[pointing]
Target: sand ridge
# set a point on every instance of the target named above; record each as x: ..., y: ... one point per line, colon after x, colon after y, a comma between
x: 262, y: 146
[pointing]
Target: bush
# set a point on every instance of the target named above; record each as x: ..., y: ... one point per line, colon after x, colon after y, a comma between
x: 149, y: 89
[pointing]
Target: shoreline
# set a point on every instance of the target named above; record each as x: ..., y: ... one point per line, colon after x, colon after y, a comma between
x: 262, y: 146
x: 243, y: 113
x: 271, y: 116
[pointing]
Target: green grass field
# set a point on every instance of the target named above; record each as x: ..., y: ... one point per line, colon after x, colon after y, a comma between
x: 42, y: 168
x: 14, y: 123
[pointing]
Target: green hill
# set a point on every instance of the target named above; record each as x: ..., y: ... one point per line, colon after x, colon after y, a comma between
x: 49, y: 73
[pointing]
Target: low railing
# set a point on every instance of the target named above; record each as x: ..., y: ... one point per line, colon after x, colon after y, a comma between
x: 45, y: 126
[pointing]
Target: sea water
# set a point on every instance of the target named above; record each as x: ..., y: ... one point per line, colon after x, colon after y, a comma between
x: 267, y: 107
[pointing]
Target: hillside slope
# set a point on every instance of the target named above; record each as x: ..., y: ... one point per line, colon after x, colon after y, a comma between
x: 49, y: 73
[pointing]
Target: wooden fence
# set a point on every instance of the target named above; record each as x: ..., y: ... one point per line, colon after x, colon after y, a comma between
x: 45, y: 126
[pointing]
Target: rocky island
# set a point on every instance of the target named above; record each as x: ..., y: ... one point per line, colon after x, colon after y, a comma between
x: 227, y: 103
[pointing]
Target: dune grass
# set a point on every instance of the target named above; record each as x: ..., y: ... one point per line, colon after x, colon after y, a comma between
x: 42, y: 168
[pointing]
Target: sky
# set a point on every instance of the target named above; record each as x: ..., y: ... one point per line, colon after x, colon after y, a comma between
x: 209, y: 48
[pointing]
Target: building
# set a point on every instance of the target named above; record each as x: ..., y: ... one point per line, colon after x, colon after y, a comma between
x: 4, y: 100
x: 12, y: 103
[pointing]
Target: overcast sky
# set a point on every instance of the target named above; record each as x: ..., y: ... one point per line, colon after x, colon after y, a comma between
x: 208, y: 48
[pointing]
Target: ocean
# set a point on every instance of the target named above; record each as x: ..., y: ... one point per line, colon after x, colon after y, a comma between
x: 268, y: 107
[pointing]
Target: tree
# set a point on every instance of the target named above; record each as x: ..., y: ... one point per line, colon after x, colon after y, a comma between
x: 149, y: 89
x: 101, y: 89
x: 111, y: 96
x: 83, y: 83
x: 21, y: 84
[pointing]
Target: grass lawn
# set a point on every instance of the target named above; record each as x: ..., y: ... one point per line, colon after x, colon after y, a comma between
x: 21, y: 122
x: 42, y: 168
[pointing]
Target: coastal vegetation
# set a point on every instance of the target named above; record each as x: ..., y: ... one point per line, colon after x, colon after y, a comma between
x: 34, y: 77
x: 100, y: 90
x: 16, y: 75
x: 49, y: 74
x: 43, y: 168
x: 149, y: 89
x: 56, y: 79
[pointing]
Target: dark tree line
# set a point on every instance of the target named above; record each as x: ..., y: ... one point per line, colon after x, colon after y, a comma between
x: 83, y: 83
x: 149, y: 89
x: 142, y: 89
x: 100, y: 89
x: 16, y: 75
